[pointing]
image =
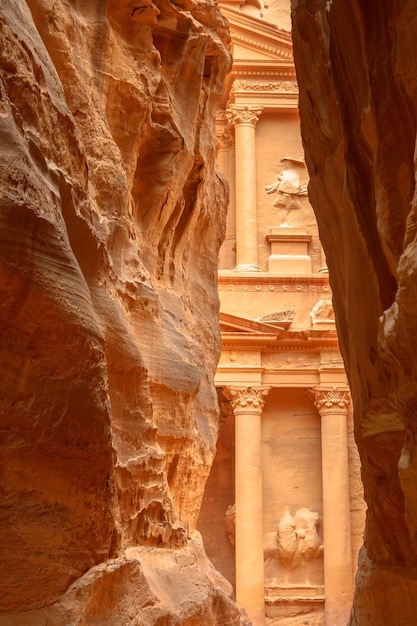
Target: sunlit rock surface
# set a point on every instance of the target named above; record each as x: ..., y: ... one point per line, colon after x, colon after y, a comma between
x: 357, y: 71
x: 111, y: 216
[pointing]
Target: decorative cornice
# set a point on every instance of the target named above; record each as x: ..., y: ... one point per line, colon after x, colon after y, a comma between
x: 257, y: 33
x: 326, y: 400
x: 243, y: 114
x: 230, y: 281
x: 265, y: 47
x: 303, y: 341
x: 248, y: 399
x: 288, y: 237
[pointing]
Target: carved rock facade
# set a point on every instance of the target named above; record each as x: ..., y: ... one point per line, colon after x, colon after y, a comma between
x: 359, y: 117
x: 285, y: 459
x: 109, y: 337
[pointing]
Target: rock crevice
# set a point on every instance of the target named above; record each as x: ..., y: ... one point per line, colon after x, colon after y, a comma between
x: 111, y: 217
x: 357, y: 75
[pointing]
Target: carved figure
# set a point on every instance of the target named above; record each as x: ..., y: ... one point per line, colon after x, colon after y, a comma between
x: 287, y: 540
x: 322, y: 311
x: 298, y: 539
x: 308, y: 540
x: 288, y: 186
x: 230, y: 521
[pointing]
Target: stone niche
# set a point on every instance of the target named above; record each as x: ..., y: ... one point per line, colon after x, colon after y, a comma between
x: 292, y: 496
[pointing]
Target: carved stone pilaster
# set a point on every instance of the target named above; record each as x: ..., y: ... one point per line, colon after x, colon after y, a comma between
x: 248, y: 399
x: 247, y: 403
x: 330, y: 400
x: 332, y: 404
x: 243, y: 114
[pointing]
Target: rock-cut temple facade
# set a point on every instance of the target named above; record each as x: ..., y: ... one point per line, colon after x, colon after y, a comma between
x: 283, y: 512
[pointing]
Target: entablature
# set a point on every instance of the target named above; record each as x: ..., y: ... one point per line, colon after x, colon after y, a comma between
x: 288, y: 341
x: 266, y: 281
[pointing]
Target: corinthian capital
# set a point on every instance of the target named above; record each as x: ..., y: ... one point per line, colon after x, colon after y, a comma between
x: 248, y: 399
x: 243, y: 114
x: 328, y: 399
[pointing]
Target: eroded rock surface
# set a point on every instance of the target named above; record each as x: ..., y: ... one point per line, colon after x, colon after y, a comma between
x: 111, y: 216
x: 357, y: 71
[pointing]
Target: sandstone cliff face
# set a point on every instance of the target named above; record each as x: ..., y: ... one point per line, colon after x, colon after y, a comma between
x: 357, y: 71
x: 111, y: 216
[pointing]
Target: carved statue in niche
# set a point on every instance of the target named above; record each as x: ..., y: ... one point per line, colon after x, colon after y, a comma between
x: 298, y: 539
x: 230, y: 521
x: 288, y: 187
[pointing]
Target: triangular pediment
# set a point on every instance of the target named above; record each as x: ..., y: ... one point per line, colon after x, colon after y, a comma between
x: 235, y: 324
x: 263, y: 71
x: 256, y: 39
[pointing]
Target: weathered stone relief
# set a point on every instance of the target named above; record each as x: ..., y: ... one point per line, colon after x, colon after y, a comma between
x: 295, y: 545
x: 322, y: 312
x: 297, y: 537
x: 291, y: 360
x: 284, y: 86
x: 230, y: 522
x: 288, y: 187
x: 240, y: 358
x: 285, y: 317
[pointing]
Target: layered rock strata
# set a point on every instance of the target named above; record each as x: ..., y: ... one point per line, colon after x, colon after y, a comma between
x: 111, y: 216
x: 357, y: 72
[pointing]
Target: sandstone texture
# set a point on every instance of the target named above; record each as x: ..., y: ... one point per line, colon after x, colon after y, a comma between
x: 357, y: 72
x: 111, y: 217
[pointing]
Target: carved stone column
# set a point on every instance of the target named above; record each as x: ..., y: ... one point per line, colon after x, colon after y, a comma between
x: 332, y: 404
x: 225, y: 157
x: 247, y: 404
x: 244, y: 119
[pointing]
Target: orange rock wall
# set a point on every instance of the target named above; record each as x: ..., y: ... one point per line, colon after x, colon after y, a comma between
x: 111, y: 217
x: 357, y: 67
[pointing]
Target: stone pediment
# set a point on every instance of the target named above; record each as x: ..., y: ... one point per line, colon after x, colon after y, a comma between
x: 255, y: 39
x: 268, y: 325
x: 271, y: 332
x: 263, y: 71
x: 234, y: 324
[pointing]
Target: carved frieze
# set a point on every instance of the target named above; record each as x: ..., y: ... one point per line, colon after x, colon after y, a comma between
x: 279, y: 284
x: 278, y: 316
x: 278, y: 86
